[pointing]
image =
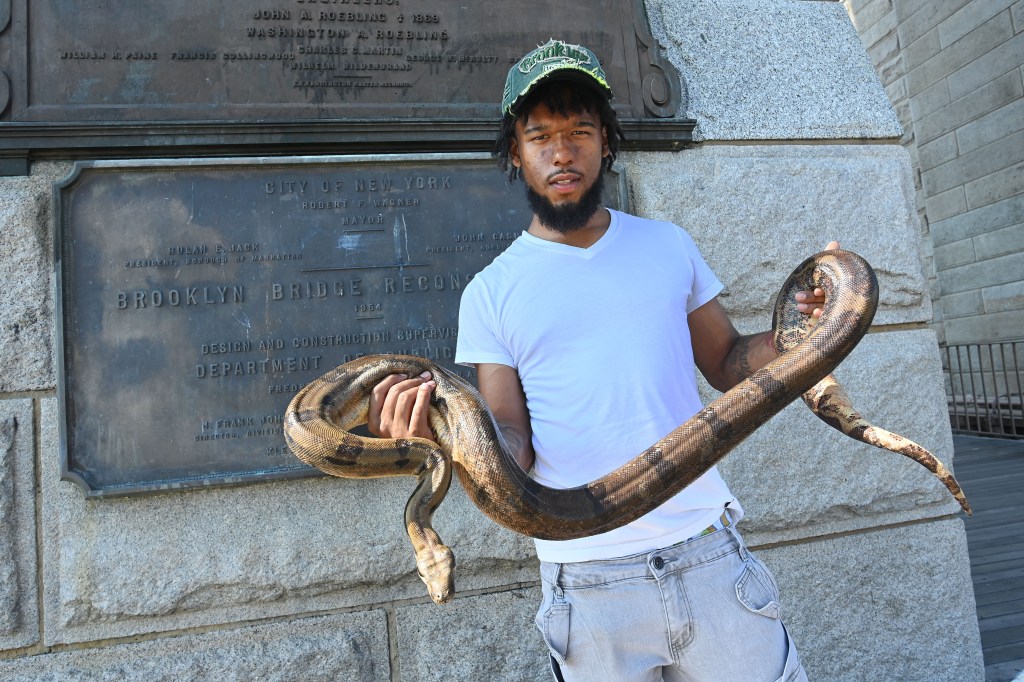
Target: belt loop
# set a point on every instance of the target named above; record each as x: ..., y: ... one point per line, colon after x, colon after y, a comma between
x: 556, y: 584
x: 744, y: 552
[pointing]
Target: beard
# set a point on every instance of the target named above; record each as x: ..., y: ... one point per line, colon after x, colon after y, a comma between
x: 566, y: 217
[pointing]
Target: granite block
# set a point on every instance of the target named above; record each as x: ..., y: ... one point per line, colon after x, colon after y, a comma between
x: 116, y: 567
x: 999, y: 59
x: 485, y: 637
x: 1004, y: 213
x: 1001, y: 242
x: 917, y: 17
x: 927, y: 102
x: 997, y: 326
x: 956, y: 253
x: 1005, y: 297
x: 971, y: 16
x: 963, y: 304
x: 351, y: 646
x: 977, y: 165
x: 757, y: 211
x: 1001, y: 184
x: 938, y: 151
x: 26, y: 267
x: 797, y: 478
x: 866, y: 15
x: 942, y: 207
x: 893, y: 604
x: 991, y: 127
x: 936, y: 115
x: 19, y: 617
x: 989, y: 273
x: 882, y: 31
x: 798, y: 71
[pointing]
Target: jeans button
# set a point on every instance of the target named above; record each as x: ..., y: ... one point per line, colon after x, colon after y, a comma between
x: 659, y: 563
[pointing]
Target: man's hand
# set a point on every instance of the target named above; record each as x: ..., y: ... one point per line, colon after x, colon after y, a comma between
x: 810, y: 302
x: 399, y: 407
x: 723, y: 356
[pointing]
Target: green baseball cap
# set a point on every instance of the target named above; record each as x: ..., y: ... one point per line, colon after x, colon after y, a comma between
x: 556, y: 59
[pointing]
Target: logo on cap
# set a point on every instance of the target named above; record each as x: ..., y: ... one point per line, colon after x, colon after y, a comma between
x: 555, y: 51
x: 544, y: 62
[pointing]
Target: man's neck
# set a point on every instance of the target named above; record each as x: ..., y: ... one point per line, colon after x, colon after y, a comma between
x: 582, y: 237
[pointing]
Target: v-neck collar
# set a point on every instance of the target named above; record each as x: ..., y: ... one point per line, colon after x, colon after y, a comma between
x: 575, y: 251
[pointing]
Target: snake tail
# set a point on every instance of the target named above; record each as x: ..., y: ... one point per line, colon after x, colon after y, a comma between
x: 829, y: 401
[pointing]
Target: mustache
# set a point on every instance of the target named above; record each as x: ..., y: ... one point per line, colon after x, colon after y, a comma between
x: 555, y: 174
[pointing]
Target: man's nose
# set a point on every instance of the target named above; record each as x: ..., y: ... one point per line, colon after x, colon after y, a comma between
x: 563, y: 151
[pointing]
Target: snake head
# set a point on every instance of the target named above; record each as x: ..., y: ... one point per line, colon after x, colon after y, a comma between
x: 436, y: 566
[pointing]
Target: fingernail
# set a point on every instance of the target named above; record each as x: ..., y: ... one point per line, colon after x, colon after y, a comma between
x: 425, y: 375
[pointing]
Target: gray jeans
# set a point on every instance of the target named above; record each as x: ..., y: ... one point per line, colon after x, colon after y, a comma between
x: 700, y: 611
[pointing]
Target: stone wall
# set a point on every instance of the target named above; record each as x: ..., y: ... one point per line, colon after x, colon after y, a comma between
x: 953, y: 70
x: 314, y: 579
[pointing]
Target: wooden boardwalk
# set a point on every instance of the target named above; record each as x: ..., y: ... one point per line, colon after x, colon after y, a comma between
x: 991, y: 471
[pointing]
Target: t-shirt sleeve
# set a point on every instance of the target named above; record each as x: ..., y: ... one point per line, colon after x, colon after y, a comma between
x: 478, y: 341
x: 706, y: 284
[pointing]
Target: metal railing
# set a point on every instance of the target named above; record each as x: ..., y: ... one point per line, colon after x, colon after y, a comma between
x: 983, y: 388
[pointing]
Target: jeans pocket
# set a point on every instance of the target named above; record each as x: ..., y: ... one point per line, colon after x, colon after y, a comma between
x: 757, y: 591
x: 553, y: 623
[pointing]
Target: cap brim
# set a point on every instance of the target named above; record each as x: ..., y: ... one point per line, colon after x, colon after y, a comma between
x: 567, y: 74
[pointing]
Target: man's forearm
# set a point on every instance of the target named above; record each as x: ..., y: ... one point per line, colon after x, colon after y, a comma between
x: 503, y: 392
x: 519, y: 444
x: 748, y: 354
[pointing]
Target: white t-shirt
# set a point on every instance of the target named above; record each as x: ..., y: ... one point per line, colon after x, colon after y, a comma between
x: 600, y: 340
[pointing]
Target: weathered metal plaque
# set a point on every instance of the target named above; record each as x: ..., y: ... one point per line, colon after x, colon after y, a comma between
x: 198, y: 296
x: 158, y: 73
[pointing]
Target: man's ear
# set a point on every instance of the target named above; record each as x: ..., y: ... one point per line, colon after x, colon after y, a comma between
x: 513, y: 152
x: 605, y: 149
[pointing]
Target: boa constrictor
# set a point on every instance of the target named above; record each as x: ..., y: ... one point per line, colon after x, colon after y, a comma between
x: 319, y: 418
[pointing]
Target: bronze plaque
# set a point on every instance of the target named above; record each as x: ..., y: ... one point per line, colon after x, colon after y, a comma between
x: 166, y: 73
x: 196, y: 297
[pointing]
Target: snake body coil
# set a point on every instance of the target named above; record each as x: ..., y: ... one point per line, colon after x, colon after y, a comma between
x: 319, y: 417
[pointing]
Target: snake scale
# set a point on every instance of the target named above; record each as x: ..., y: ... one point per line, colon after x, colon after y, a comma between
x: 319, y: 417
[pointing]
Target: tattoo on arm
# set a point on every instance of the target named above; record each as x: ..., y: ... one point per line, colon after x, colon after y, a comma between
x: 738, y: 360
x: 519, y: 445
x: 749, y: 354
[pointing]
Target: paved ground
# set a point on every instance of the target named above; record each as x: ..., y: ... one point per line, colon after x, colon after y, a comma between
x: 991, y: 471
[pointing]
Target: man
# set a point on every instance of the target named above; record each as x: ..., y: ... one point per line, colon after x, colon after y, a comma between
x: 585, y: 334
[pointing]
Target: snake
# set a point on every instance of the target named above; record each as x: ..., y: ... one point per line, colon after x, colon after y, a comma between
x: 319, y: 420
